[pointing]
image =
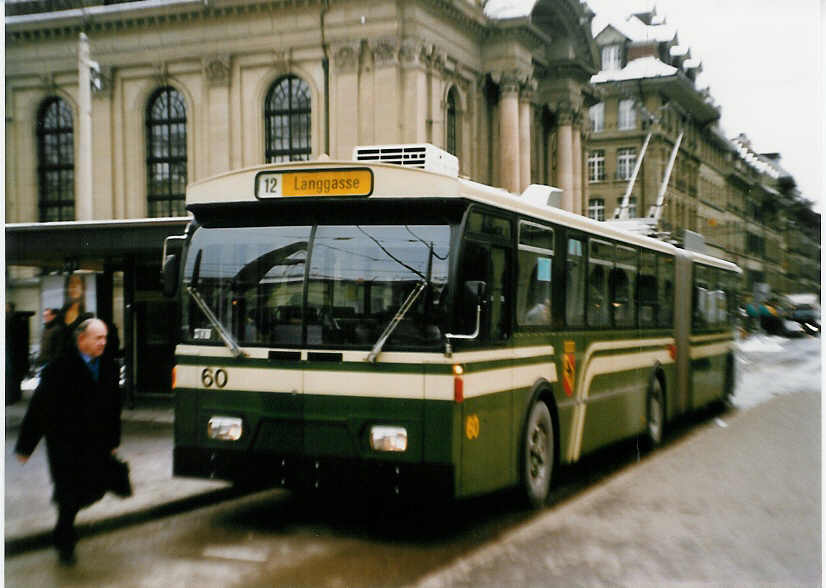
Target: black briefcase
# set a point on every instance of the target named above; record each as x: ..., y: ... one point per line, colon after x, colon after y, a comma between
x: 117, y: 477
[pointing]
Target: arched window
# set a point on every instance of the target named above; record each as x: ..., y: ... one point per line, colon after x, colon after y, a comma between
x: 56, y: 161
x: 452, y: 141
x: 287, y: 116
x: 166, y: 153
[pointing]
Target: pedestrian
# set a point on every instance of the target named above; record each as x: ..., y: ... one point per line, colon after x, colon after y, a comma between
x: 50, y: 336
x: 72, y: 313
x: 77, y: 409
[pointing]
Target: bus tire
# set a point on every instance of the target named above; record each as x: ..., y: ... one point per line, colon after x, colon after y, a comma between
x: 538, y: 455
x: 655, y: 414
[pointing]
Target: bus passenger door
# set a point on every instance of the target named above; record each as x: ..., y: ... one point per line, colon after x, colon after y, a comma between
x: 487, y: 436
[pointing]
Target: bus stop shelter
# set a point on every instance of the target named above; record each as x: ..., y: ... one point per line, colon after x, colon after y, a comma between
x: 133, y: 247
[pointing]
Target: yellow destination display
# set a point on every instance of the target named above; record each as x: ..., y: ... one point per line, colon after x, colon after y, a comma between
x: 337, y: 182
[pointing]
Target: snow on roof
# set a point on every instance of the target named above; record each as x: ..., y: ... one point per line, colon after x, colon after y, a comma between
x: 639, y: 31
x: 755, y: 160
x: 636, y: 30
x: 501, y: 9
x: 679, y: 51
x: 642, y: 68
x: 692, y: 63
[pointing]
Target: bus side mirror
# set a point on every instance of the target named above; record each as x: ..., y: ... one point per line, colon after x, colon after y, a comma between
x: 169, y: 275
x: 170, y: 262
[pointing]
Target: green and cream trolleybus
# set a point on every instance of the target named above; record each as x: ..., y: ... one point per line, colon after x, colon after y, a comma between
x: 384, y: 319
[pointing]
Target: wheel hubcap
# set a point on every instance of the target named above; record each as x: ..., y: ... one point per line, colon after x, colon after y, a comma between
x: 538, y: 453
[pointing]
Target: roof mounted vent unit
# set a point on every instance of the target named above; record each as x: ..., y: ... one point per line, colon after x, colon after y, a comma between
x: 541, y: 195
x: 420, y: 155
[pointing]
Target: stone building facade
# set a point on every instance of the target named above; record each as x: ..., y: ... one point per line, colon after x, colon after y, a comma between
x: 743, y: 203
x: 112, y: 108
x: 504, y: 86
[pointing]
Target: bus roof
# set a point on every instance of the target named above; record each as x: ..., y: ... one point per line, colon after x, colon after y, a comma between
x: 390, y: 181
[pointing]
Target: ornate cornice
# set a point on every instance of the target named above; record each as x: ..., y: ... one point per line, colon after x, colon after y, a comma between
x: 568, y: 69
x: 525, y: 34
x: 103, y: 18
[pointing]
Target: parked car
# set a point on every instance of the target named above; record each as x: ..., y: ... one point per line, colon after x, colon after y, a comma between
x: 793, y: 329
x: 805, y: 310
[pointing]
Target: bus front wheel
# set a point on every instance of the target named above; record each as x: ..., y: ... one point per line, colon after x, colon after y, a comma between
x: 538, y: 455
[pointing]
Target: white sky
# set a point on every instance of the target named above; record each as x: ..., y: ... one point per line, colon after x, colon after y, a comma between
x: 763, y: 61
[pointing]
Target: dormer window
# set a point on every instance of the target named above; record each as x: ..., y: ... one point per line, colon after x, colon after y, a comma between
x: 612, y: 57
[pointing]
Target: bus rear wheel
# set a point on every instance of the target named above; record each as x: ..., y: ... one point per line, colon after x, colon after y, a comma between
x: 655, y: 421
x: 538, y: 455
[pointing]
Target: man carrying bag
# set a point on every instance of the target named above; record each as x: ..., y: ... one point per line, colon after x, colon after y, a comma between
x: 77, y: 408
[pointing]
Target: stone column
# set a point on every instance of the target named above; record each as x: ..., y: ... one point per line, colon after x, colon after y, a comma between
x: 366, y: 96
x: 83, y: 196
x: 344, y: 113
x: 104, y: 205
x: 387, y: 121
x: 414, y: 91
x: 509, y: 133
x: 576, y: 160
x: 565, y: 157
x: 525, y: 116
x: 218, y: 73
x: 481, y: 152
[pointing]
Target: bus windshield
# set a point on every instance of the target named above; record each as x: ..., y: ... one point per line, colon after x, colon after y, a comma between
x: 317, y: 285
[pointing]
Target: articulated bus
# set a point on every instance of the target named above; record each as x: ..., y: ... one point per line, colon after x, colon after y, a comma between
x: 384, y: 320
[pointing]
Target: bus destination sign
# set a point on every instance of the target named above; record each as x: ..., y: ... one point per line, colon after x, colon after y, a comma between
x: 314, y: 182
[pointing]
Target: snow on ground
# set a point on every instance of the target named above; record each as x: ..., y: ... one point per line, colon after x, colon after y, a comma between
x: 769, y: 366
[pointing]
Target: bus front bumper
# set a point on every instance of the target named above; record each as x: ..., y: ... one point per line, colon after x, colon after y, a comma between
x: 301, y: 472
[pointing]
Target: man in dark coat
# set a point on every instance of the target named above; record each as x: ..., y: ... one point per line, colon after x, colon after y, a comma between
x: 77, y: 409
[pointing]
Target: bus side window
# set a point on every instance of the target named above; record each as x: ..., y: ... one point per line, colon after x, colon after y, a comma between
x: 623, y: 280
x: 702, y: 301
x: 575, y: 283
x: 533, y: 290
x: 665, y: 290
x: 600, y: 262
x: 647, y: 289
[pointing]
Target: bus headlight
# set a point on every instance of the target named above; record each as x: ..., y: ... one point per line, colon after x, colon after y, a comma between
x: 224, y: 428
x: 383, y: 438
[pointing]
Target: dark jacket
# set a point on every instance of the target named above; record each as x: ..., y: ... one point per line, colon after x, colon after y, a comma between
x: 51, y: 340
x: 81, y: 422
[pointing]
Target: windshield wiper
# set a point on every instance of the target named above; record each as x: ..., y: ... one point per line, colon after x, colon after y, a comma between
x: 400, y: 314
x: 225, y: 335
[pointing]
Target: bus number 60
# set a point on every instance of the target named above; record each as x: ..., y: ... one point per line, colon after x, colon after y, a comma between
x: 219, y: 377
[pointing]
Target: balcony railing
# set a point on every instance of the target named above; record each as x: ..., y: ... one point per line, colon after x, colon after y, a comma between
x: 21, y: 7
